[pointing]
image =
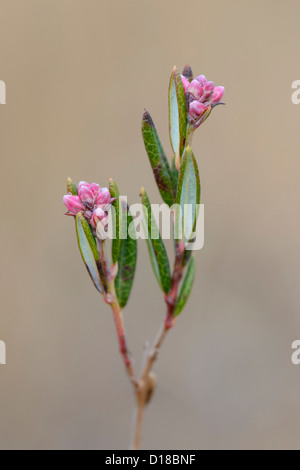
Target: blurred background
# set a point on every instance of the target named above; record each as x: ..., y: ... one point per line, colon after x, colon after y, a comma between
x: 79, y: 74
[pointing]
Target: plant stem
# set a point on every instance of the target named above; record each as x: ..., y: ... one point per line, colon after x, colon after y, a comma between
x: 118, y: 317
x: 110, y: 298
x: 120, y: 328
x: 145, y: 384
x: 139, y: 418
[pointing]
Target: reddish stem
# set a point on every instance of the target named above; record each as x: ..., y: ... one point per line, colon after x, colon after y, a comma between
x: 120, y: 328
x: 144, y: 382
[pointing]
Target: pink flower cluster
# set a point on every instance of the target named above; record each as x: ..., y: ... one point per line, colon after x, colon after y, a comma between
x: 92, y: 200
x: 201, y: 96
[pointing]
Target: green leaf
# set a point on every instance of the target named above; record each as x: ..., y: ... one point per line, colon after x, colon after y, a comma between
x: 126, y: 263
x: 156, y: 247
x: 186, y: 287
x: 117, y: 223
x: 186, y: 257
x: 177, y: 114
x: 72, y: 188
x: 188, y: 196
x: 158, y: 160
x: 174, y: 172
x: 89, y: 251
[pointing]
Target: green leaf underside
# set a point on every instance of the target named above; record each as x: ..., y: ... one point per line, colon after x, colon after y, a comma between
x: 174, y: 118
x: 177, y: 114
x: 174, y: 173
x: 188, y: 194
x: 88, y: 249
x: 72, y: 188
x: 158, y: 160
x: 186, y: 257
x: 156, y: 247
x: 117, y: 224
x: 186, y: 287
x: 126, y: 266
x: 152, y: 254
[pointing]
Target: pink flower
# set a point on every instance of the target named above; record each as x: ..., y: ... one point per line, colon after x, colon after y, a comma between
x: 217, y: 95
x: 99, y: 223
x: 208, y: 90
x: 103, y: 197
x: 198, y: 113
x: 95, y: 188
x: 86, y: 194
x: 98, y: 215
x: 201, y: 79
x: 201, y: 97
x: 73, y: 204
x: 92, y: 200
x: 196, y: 110
x: 195, y: 89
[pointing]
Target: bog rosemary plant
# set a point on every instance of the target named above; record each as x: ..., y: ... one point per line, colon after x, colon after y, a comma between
x: 101, y: 214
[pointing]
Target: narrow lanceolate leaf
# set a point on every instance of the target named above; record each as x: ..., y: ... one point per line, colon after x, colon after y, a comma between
x: 126, y: 264
x: 158, y: 160
x: 117, y: 220
x: 186, y: 287
x: 89, y: 252
x: 72, y: 188
x: 174, y: 173
x: 186, y: 257
x: 177, y: 114
x: 188, y: 196
x: 156, y: 247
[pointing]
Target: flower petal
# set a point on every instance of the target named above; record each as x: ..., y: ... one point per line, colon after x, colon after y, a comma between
x: 201, y: 79
x: 86, y: 194
x: 196, y: 110
x: 73, y: 204
x: 218, y: 94
x: 103, y: 197
x: 95, y: 189
x: 195, y: 89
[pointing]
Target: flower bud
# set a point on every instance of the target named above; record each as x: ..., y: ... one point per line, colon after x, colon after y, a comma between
x: 195, y: 89
x: 201, y: 79
x: 73, y: 204
x: 98, y: 214
x: 101, y: 232
x: 72, y: 188
x: 208, y: 90
x: 103, y: 197
x: 82, y: 183
x: 202, y: 118
x: 99, y: 223
x: 187, y: 72
x: 201, y: 97
x: 217, y: 95
x: 196, y: 110
x: 94, y: 202
x: 86, y: 194
x: 95, y: 189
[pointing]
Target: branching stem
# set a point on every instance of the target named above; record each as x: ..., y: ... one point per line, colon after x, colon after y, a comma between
x: 143, y: 386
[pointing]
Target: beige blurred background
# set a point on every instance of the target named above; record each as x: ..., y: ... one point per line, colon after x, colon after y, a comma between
x: 79, y: 74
